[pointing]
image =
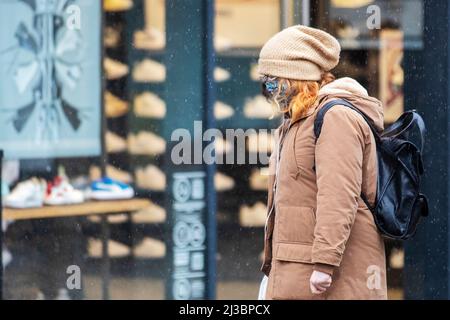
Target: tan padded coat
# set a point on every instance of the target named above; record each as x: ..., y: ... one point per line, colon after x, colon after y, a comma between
x: 317, y: 219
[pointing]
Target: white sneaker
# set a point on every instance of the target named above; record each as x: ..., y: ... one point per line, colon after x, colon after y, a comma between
x: 259, y: 108
x: 348, y: 32
x: 150, y: 214
x: 353, y: 4
x: 113, y: 219
x: 61, y: 192
x: 259, y: 179
x: 149, y: 39
x: 27, y: 194
x: 254, y: 72
x: 221, y: 43
x: 117, y: 5
x: 114, y: 106
x: 149, y: 71
x: 397, y: 259
x: 150, y: 248
x: 149, y: 105
x: 6, y: 257
x: 146, y: 143
x: 115, y: 249
x: 221, y: 74
x: 63, y: 294
x: 107, y: 188
x: 253, y: 216
x: 151, y: 178
x: 115, y: 143
x: 119, y: 174
x: 115, y: 69
x: 260, y: 142
x: 80, y: 182
x: 118, y: 218
x: 111, y: 171
x: 223, y: 182
x: 222, y: 110
x: 111, y: 38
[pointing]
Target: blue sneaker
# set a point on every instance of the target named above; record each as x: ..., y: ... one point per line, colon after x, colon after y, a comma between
x: 109, y: 189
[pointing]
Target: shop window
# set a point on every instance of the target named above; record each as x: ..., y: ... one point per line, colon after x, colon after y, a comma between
x: 374, y: 35
x: 134, y: 266
x: 55, y: 234
x: 241, y: 29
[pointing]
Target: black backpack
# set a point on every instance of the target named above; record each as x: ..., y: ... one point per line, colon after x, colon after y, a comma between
x: 399, y: 204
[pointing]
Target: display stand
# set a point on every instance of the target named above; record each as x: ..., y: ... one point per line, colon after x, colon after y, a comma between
x: 103, y: 208
x: 77, y: 210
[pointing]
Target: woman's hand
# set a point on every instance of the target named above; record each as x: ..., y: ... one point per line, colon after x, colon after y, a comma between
x: 319, y: 282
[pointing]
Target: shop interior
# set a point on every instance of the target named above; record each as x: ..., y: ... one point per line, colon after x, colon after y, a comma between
x: 56, y: 212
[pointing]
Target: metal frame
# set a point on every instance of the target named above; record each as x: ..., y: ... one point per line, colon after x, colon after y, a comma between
x: 196, y: 63
x: 302, y: 12
x: 105, y: 230
x: 211, y: 223
x: 306, y: 12
x: 284, y: 13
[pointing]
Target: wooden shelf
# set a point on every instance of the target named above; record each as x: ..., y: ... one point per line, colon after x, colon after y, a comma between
x: 83, y: 209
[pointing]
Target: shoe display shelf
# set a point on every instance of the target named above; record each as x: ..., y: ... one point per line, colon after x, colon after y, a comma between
x: 237, y: 88
x: 117, y: 109
x: 118, y: 88
x: 104, y: 234
x: 241, y: 91
x: 146, y: 148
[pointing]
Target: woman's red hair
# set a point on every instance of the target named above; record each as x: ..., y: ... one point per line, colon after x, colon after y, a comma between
x: 304, y: 94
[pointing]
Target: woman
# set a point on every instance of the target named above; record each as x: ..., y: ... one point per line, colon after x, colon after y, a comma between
x: 321, y: 241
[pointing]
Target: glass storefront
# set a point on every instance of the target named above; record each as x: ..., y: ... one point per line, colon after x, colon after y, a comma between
x: 122, y: 246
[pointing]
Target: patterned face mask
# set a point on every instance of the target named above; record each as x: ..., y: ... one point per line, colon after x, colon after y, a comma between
x: 271, y: 90
x: 269, y: 86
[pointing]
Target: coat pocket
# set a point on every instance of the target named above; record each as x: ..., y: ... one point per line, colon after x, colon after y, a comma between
x: 295, y: 224
x: 291, y: 272
x: 293, y: 252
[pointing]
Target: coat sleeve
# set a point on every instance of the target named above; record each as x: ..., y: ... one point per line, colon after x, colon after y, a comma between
x: 339, y: 158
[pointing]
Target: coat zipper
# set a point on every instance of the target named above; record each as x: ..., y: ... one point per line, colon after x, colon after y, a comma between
x: 277, y: 166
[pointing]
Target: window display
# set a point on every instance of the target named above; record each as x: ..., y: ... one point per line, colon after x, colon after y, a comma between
x: 245, y: 24
x: 391, y: 74
x: 88, y: 119
x: 51, y: 102
x: 357, y: 23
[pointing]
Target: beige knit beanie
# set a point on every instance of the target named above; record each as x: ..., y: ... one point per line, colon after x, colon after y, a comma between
x: 300, y: 53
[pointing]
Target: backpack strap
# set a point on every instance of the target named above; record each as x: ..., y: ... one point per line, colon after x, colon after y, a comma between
x: 421, y: 126
x: 341, y: 102
x: 318, y: 128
